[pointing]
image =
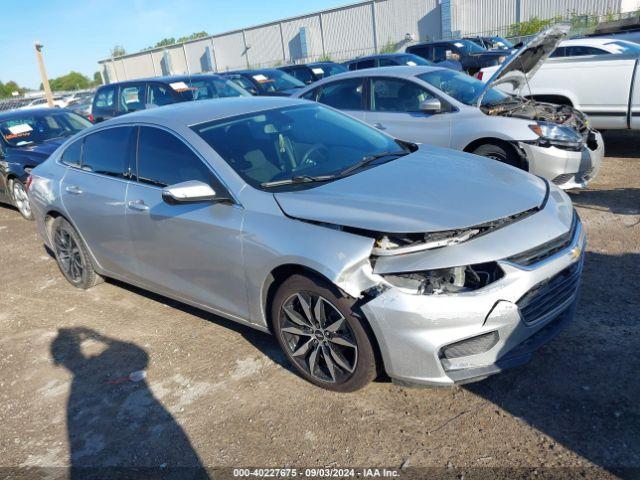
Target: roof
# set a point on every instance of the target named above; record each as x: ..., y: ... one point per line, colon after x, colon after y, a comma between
x: 591, y: 41
x: 378, y: 55
x: 17, y: 113
x: 191, y: 113
x: 250, y: 71
x: 167, y: 79
x: 401, y: 71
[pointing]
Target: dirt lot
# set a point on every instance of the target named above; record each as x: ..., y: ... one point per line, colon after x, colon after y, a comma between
x: 218, y: 394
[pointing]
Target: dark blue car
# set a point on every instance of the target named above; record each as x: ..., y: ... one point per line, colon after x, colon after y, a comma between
x: 266, y: 81
x: 27, y: 138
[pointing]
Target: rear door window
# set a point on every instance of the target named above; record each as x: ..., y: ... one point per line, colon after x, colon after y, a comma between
x: 343, y: 94
x: 132, y: 98
x: 160, y: 95
x: 72, y: 155
x: 582, y: 50
x: 370, y: 63
x: 164, y: 159
x: 109, y: 152
x: 387, y: 62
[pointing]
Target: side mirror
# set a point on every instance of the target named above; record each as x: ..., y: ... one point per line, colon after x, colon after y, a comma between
x: 190, y: 192
x: 431, y: 105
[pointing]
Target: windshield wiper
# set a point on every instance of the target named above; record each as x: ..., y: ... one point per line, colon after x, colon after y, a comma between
x: 297, y: 179
x: 370, y: 158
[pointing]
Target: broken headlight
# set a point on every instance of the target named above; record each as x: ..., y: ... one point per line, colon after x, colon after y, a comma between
x: 446, y: 280
x: 557, y: 135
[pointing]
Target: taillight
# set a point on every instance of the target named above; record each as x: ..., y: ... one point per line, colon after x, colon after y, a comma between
x: 479, y: 75
x: 28, y: 183
x: 90, y: 118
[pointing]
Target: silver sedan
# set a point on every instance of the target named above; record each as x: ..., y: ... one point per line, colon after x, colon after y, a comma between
x: 359, y: 252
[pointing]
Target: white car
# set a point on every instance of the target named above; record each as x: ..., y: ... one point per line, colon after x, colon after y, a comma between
x: 606, y: 87
x: 580, y: 47
x: 442, y: 107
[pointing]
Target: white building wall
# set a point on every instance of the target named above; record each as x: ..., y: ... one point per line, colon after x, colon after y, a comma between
x: 230, y: 51
x: 396, y: 18
x: 196, y: 53
x: 551, y: 8
x: 265, y: 45
x: 139, y: 66
x: 291, y: 37
x: 348, y: 32
x: 476, y: 16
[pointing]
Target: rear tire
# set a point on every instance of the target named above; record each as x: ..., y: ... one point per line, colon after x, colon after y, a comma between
x: 20, y: 198
x: 72, y: 255
x: 321, y: 336
x: 502, y: 153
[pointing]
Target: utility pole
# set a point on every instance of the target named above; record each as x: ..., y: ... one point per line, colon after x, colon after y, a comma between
x: 43, y: 74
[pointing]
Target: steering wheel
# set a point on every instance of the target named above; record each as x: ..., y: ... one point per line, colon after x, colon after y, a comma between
x: 307, y: 160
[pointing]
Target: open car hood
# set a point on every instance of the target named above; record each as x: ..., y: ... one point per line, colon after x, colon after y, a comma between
x: 431, y: 190
x: 524, y: 63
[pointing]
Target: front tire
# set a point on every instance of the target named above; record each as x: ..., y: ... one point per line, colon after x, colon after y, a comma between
x: 20, y: 198
x: 72, y: 255
x: 502, y: 153
x: 321, y: 336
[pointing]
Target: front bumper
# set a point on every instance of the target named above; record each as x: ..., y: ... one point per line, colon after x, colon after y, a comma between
x: 567, y: 169
x: 517, y: 314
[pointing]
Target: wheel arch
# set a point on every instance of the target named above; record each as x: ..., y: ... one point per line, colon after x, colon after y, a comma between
x: 478, y: 142
x: 280, y: 273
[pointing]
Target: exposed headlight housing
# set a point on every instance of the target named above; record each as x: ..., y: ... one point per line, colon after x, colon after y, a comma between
x: 446, y: 280
x: 558, y: 135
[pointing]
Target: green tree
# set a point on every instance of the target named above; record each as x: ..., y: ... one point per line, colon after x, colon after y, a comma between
x: 165, y: 42
x: 97, y: 79
x: 193, y: 36
x: 7, y: 89
x: 118, y: 51
x: 70, y: 81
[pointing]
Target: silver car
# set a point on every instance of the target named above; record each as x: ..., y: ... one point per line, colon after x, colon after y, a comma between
x: 359, y: 252
x: 439, y: 106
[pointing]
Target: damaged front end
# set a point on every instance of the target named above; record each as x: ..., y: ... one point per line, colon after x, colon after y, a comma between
x: 560, y: 126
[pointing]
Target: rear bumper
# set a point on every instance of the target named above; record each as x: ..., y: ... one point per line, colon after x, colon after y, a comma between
x: 416, y: 333
x: 567, y: 169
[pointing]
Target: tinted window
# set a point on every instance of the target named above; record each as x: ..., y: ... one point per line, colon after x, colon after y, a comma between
x: 108, y: 152
x: 440, y: 53
x: 393, y: 95
x: 71, y: 156
x: 244, y: 83
x: 160, y: 95
x: 132, y: 98
x: 302, y: 140
x: 163, y: 160
x: 559, y: 52
x: 301, y: 73
x: 387, y: 62
x: 365, y: 64
x: 579, y: 50
x: 343, y: 94
x: 424, y: 52
x: 105, y: 98
x: 216, y: 88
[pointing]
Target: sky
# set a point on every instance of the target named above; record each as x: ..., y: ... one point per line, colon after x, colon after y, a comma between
x: 76, y: 34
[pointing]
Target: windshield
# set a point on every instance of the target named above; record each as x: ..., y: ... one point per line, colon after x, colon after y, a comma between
x: 412, y: 60
x: 328, y: 69
x: 275, y: 80
x: 468, y: 47
x: 500, y: 43
x: 463, y: 87
x: 35, y: 128
x: 304, y: 140
x: 624, y: 47
x: 204, y: 89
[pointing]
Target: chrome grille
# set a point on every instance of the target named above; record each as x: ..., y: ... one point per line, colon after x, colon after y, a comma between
x: 551, y: 294
x: 547, y: 249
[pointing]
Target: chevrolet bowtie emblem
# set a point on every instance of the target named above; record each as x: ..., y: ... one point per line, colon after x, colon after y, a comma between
x: 575, y: 252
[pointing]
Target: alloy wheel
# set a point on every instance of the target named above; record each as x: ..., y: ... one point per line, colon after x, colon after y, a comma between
x: 318, y: 337
x: 21, y: 199
x: 68, y: 255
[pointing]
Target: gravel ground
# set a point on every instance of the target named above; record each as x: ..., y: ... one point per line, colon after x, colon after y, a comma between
x: 219, y: 394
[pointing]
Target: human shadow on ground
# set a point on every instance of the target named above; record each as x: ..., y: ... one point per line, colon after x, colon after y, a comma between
x: 116, y: 427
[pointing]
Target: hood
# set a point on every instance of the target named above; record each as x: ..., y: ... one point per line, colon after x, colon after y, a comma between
x: 524, y: 63
x: 431, y: 190
x: 37, y: 151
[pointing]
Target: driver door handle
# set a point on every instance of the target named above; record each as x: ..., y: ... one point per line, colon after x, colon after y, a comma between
x: 379, y: 126
x: 73, y: 190
x: 138, y: 205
